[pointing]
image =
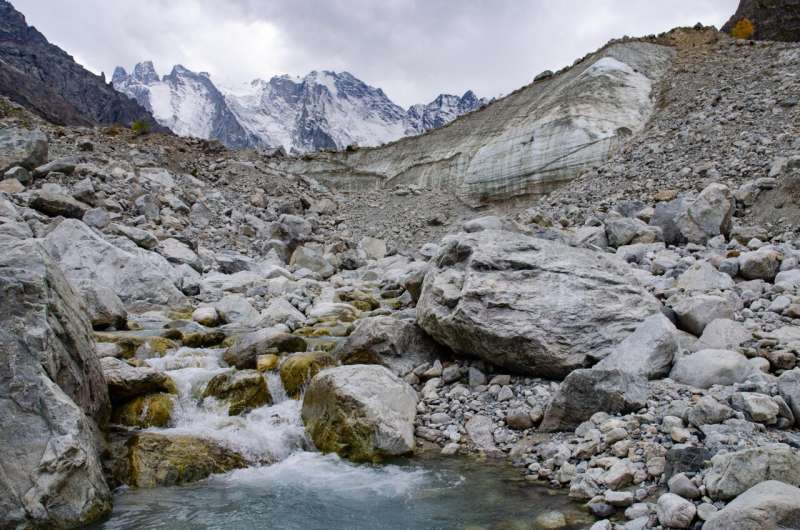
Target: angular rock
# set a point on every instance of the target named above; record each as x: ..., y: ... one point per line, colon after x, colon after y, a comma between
x: 307, y: 258
x: 587, y: 391
x: 126, y: 382
x: 55, y: 204
x: 142, y: 238
x: 22, y: 147
x: 281, y: 311
x: 732, y: 474
x: 178, y: 252
x: 709, y: 215
x: 703, y: 277
x: 695, y: 313
x: 133, y: 274
x: 396, y: 343
x: 244, y: 351
x: 104, y: 308
x: 789, y: 389
x: 761, y: 264
x: 647, y: 352
x: 759, y: 408
x: 53, y: 397
x: 769, y: 505
x: 529, y: 305
x: 361, y: 412
x: 236, y: 309
x: 722, y: 334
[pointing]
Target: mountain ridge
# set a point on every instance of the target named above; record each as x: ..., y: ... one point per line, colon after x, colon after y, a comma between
x: 323, y: 110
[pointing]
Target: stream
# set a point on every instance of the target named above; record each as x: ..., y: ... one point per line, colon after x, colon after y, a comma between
x: 291, y: 486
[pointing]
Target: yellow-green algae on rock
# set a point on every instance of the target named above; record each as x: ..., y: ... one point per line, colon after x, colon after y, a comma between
x: 299, y: 368
x: 243, y: 390
x: 362, y: 412
x: 149, y: 460
x: 153, y: 410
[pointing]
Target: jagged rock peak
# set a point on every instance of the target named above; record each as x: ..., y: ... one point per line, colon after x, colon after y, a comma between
x: 322, y: 110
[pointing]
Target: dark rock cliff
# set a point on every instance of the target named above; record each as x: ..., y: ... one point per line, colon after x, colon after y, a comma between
x: 44, y: 78
x: 772, y: 19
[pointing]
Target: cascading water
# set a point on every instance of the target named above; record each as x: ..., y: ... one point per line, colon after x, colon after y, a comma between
x: 291, y: 486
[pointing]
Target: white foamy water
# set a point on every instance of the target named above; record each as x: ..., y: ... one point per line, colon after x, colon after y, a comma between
x: 268, y: 434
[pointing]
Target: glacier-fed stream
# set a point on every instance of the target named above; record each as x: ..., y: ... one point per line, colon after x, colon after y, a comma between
x: 291, y: 486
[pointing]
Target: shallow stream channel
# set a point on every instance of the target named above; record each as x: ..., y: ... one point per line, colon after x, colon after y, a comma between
x: 291, y: 486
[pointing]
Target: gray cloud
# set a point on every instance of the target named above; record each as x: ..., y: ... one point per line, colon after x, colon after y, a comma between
x: 412, y: 49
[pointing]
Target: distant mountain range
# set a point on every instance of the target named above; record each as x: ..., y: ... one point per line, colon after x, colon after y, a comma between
x: 323, y: 110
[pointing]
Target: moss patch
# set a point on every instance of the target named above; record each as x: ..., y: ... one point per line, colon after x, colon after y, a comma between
x: 153, y: 410
x: 299, y: 368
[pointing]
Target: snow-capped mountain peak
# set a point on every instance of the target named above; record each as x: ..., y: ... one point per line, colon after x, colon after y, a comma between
x: 322, y: 110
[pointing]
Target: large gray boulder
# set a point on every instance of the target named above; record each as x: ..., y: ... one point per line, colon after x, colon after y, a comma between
x: 731, y: 474
x: 587, y: 391
x: 706, y: 368
x: 361, y: 412
x: 52, y: 397
x: 698, y: 220
x: 530, y: 305
x: 127, y: 382
x: 722, y: 334
x: 134, y: 274
x: 22, y: 147
x: 769, y: 505
x: 648, y: 351
x: 397, y: 343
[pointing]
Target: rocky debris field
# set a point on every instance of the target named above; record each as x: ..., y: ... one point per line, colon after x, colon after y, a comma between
x: 632, y: 341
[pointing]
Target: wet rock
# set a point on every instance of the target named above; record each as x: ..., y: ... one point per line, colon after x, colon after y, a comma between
x: 153, y: 410
x: 361, y: 412
x: 529, y: 305
x: 587, y: 391
x: 705, y: 368
x: 768, y: 505
x: 731, y: 474
x: 126, y: 382
x: 243, y: 390
x: 150, y: 460
x: 242, y: 354
x: 298, y: 369
x: 54, y: 396
x: 207, y: 316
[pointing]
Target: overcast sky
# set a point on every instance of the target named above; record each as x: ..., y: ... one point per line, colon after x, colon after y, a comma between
x: 414, y: 50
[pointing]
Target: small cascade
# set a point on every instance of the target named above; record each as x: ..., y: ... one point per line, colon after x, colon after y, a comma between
x: 265, y: 435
